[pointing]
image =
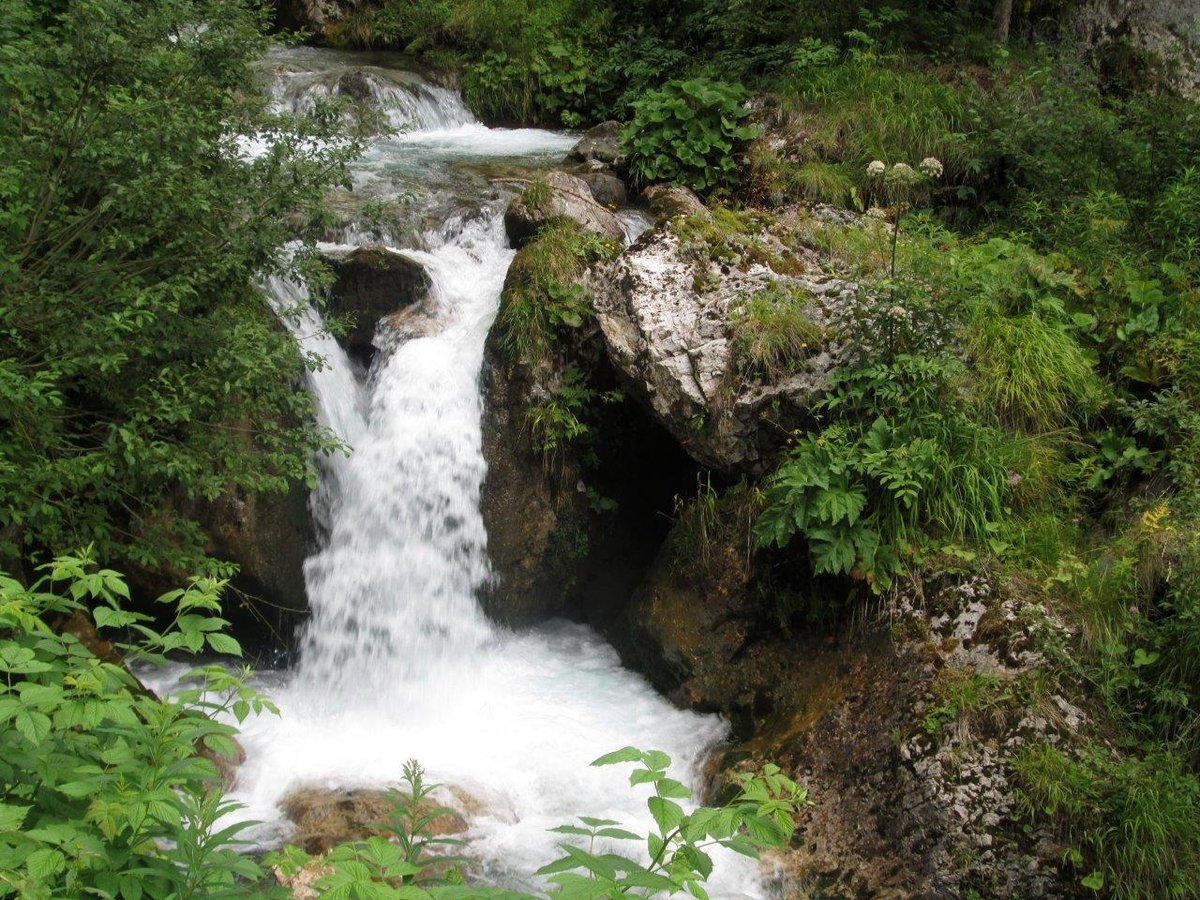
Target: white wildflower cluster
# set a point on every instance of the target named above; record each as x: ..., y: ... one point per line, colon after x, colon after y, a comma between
x: 931, y: 167
x: 876, y: 168
x: 876, y: 212
x: 903, y: 174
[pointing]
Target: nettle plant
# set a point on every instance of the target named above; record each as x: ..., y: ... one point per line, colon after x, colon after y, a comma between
x: 689, y: 133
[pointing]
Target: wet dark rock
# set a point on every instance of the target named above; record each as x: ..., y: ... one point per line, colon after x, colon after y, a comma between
x: 269, y: 535
x: 370, y: 283
x: 607, y: 189
x: 356, y: 85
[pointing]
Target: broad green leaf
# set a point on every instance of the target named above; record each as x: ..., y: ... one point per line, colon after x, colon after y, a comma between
x: 625, y: 754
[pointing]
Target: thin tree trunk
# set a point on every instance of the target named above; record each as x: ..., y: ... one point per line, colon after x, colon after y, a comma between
x: 1001, y: 19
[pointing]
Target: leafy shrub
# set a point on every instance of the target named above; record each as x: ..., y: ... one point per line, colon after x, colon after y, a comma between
x: 761, y: 815
x: 551, y: 87
x: 102, y: 789
x: 899, y: 458
x: 688, y: 133
x: 135, y: 349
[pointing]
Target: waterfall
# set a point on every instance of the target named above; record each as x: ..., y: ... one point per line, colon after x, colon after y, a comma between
x: 398, y: 660
x: 393, y: 592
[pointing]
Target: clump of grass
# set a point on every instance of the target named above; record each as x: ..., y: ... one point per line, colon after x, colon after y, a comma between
x: 538, y: 196
x: 883, y: 110
x: 708, y: 523
x: 961, y: 695
x: 773, y: 332
x: 859, y: 251
x: 542, y: 295
x: 1031, y: 375
x: 777, y: 181
x: 720, y: 235
x: 1134, y: 822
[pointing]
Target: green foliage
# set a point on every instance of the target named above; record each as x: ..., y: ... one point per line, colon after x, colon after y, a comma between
x: 760, y: 816
x: 562, y: 418
x: 102, y: 789
x: 958, y: 696
x: 1137, y: 821
x: 688, y: 132
x: 542, y: 297
x: 861, y: 111
x: 140, y: 365
x: 896, y: 457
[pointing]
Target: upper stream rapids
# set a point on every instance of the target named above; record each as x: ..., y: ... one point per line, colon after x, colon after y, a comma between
x: 398, y: 660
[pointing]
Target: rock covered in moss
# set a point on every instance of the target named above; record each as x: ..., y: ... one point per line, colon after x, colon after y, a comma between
x: 692, y: 314
x: 325, y: 817
x: 668, y: 201
x: 555, y: 195
x: 601, y: 143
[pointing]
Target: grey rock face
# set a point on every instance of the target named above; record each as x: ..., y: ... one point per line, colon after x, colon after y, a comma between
x: 608, y: 190
x: 566, y: 195
x: 1169, y: 29
x: 667, y: 323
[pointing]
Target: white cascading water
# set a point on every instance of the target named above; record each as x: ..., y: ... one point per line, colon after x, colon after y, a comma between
x: 398, y: 660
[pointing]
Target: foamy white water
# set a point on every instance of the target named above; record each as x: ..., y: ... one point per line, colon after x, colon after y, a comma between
x: 398, y: 660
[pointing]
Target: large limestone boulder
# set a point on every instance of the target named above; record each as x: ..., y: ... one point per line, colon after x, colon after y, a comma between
x: 370, y: 283
x: 674, y: 310
x: 601, y: 143
x: 558, y: 194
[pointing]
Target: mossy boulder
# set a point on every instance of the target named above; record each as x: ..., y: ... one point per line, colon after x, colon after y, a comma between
x: 558, y: 195
x: 670, y: 201
x: 600, y: 143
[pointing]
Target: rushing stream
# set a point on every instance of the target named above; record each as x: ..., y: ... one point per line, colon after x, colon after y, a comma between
x: 399, y: 660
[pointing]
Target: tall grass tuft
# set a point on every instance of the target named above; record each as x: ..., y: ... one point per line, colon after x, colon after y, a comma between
x: 1032, y: 375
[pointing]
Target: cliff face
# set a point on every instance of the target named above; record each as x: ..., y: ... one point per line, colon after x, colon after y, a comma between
x: 1167, y: 29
